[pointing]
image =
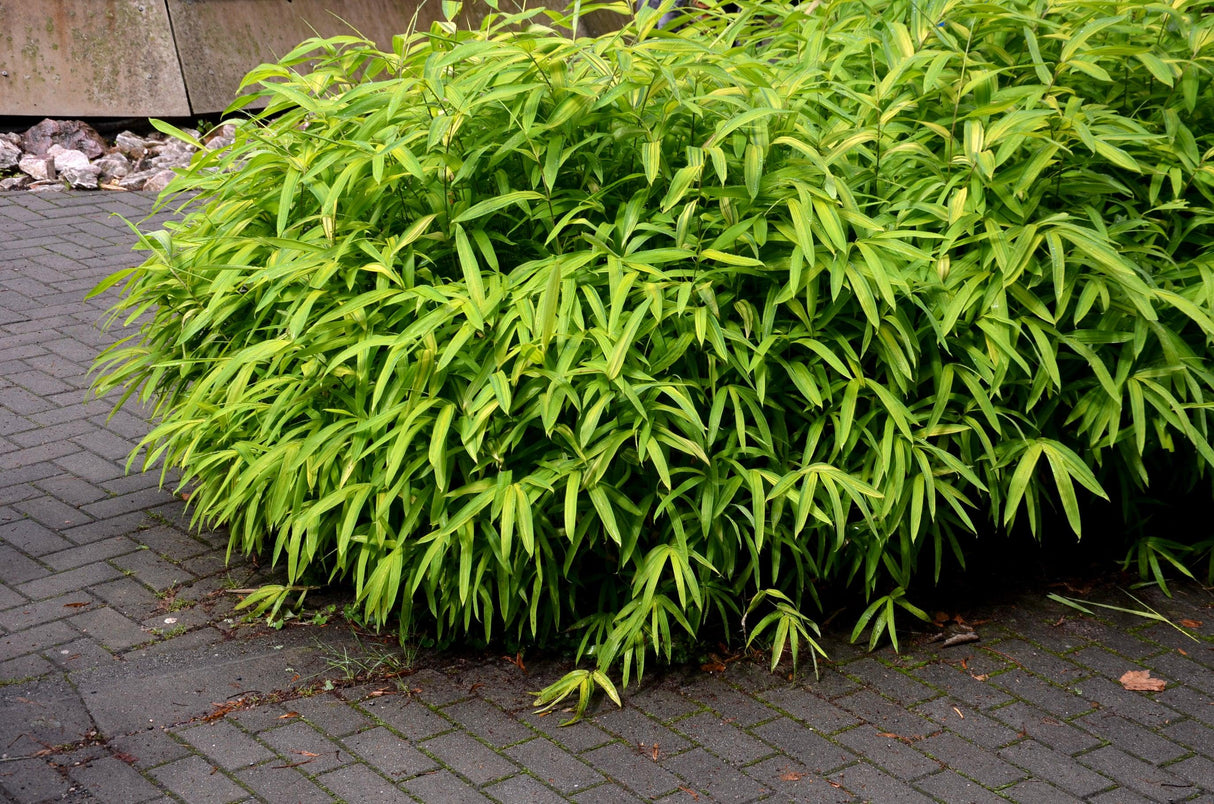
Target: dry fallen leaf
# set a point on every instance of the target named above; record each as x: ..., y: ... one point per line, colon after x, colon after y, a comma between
x: 960, y: 638
x: 89, y: 603
x: 291, y: 764
x: 1141, y: 681
x: 725, y: 654
x: 791, y: 776
x: 288, y: 715
x: 1191, y: 623
x: 517, y: 661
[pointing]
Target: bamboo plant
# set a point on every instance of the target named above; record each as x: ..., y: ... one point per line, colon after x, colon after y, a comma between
x: 526, y: 333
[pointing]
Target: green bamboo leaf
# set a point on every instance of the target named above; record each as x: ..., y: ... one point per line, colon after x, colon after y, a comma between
x: 1065, y: 465
x: 1162, y: 71
x: 438, y: 444
x: 573, y: 486
x: 1080, y: 38
x: 732, y: 123
x: 864, y: 295
x: 526, y: 519
x: 730, y: 259
x: 176, y: 133
x: 286, y: 199
x: 549, y: 304
x: 1116, y: 155
x: 506, y: 521
x: 1137, y: 414
x: 626, y: 343
x: 470, y: 268
x: 847, y: 411
x: 683, y: 179
x: 607, y: 686
x: 654, y: 450
x: 1045, y: 352
x: 651, y: 160
x: 758, y: 498
x: 487, y: 207
x: 1020, y: 481
x: 831, y: 223
x: 1199, y: 317
x: 752, y: 168
x: 1090, y: 69
x: 606, y: 514
x: 897, y: 411
x: 1043, y: 73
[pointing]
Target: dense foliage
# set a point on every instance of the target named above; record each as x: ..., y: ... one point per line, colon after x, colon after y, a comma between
x: 633, y: 335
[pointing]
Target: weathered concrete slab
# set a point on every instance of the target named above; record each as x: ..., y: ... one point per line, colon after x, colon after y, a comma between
x: 39, y: 713
x: 89, y: 58
x: 219, y: 42
x: 174, y: 58
x: 169, y: 688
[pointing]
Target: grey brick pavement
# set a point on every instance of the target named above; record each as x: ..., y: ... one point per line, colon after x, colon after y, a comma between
x: 126, y: 677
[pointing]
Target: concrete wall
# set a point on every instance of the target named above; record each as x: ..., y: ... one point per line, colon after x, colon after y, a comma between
x: 170, y: 58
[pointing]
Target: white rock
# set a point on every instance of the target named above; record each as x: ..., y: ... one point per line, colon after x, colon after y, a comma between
x: 14, y: 183
x: 10, y: 155
x: 221, y: 137
x: 135, y: 180
x: 113, y: 166
x: 74, y: 167
x: 40, y: 168
x: 159, y: 181
x: 82, y: 178
x: 75, y: 135
x: 65, y: 159
x: 173, y: 153
x: 131, y: 145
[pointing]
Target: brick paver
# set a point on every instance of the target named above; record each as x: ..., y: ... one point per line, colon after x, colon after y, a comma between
x: 125, y: 675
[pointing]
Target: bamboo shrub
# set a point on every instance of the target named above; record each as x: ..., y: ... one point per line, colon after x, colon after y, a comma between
x: 631, y: 336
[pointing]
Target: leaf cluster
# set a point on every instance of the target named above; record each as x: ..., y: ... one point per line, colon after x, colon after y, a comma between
x: 521, y: 332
